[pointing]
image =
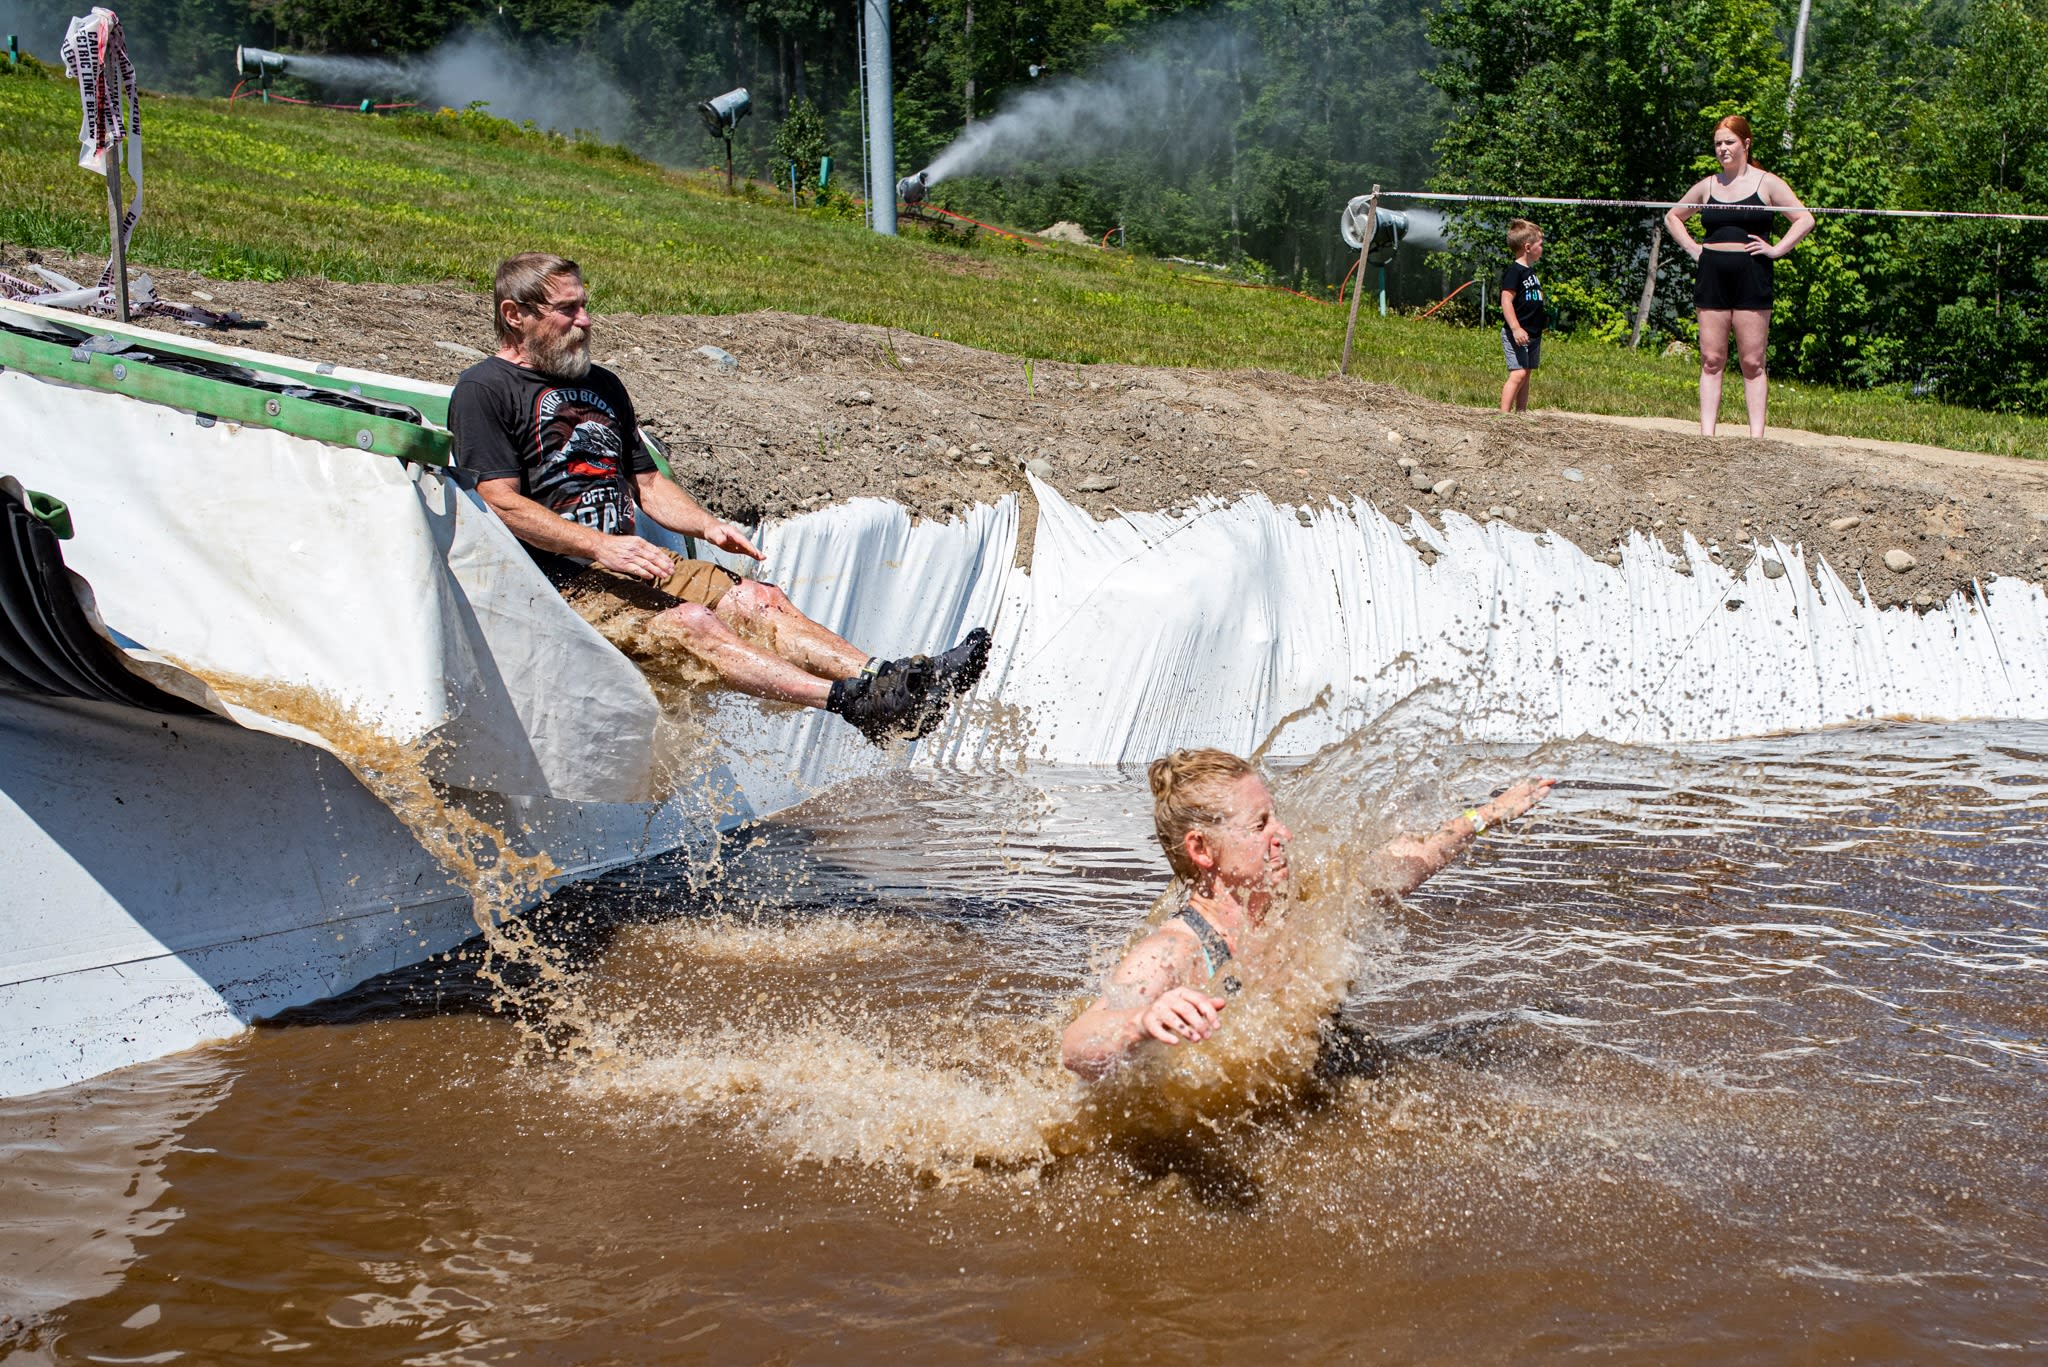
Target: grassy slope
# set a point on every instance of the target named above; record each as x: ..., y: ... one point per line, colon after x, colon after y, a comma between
x: 272, y: 191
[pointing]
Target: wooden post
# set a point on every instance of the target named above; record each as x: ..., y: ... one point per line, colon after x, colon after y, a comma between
x: 120, y: 256
x: 1372, y: 220
x: 1649, y: 284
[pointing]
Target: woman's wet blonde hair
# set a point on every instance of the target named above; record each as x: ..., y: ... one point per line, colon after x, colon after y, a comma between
x: 1187, y: 795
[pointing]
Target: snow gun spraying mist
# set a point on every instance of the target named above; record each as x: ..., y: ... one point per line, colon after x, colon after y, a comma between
x: 1161, y: 97
x: 565, y: 91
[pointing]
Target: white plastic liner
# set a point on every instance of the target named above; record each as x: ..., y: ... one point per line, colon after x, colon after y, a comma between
x: 1149, y: 630
x: 258, y: 555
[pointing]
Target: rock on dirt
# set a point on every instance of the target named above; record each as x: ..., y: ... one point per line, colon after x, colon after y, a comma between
x: 824, y: 411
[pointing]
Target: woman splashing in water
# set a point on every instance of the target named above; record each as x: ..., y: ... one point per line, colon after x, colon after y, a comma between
x: 1215, y: 819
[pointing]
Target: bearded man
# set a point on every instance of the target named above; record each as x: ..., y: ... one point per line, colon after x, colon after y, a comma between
x: 555, y: 450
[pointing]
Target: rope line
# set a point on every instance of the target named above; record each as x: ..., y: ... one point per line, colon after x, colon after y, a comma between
x: 1673, y: 204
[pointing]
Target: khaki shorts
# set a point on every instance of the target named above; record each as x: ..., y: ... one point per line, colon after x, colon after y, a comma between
x: 620, y: 608
x: 695, y: 581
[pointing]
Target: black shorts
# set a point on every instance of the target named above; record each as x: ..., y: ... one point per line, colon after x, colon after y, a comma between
x: 1732, y: 280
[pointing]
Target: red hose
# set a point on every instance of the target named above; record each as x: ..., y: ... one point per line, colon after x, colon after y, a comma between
x: 1449, y: 297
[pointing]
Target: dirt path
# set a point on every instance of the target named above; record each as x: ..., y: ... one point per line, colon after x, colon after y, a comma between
x: 815, y: 411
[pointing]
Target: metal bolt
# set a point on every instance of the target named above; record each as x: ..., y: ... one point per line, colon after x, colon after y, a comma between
x: 364, y: 439
x: 272, y: 407
x: 120, y: 372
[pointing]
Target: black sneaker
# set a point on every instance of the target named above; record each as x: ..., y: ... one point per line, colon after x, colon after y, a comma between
x: 959, y: 669
x: 949, y: 674
x: 881, y: 706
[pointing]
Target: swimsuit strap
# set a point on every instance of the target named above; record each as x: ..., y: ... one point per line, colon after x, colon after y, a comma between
x: 1215, y: 949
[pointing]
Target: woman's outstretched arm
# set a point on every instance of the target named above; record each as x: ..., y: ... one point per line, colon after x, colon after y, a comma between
x: 1406, y: 862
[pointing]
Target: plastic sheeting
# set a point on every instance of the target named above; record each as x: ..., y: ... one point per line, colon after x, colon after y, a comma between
x: 1147, y: 631
x: 257, y: 555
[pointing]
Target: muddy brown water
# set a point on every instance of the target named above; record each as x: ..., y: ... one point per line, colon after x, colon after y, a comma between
x: 1739, y: 1054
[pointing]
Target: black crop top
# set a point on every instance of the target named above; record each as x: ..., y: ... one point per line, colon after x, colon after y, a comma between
x: 1734, y: 220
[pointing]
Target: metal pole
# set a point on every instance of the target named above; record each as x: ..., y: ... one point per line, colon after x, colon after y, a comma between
x: 1798, y: 67
x: 114, y: 221
x: 1383, y: 291
x: 881, y: 117
x: 1372, y: 220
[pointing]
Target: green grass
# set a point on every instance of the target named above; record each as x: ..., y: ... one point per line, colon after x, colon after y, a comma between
x: 269, y: 192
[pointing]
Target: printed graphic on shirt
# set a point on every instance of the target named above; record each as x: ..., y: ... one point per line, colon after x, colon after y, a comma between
x: 1520, y: 281
x: 579, y: 469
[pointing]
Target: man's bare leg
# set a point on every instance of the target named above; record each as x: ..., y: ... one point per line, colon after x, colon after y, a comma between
x: 764, y: 613
x: 741, y: 666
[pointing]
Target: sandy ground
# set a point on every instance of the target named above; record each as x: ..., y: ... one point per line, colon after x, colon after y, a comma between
x: 816, y: 411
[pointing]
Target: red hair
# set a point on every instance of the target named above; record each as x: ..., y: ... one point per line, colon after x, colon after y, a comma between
x: 1737, y: 125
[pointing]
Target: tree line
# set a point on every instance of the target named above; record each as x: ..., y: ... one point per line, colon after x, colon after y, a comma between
x: 1275, y: 112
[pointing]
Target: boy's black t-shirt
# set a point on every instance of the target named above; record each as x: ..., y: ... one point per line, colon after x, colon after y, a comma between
x: 1520, y: 281
x: 572, y: 444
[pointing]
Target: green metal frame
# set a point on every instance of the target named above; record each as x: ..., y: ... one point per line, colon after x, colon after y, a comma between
x: 226, y: 401
x: 432, y: 407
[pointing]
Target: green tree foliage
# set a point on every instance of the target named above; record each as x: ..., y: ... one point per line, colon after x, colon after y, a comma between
x: 1930, y: 103
x: 1277, y: 111
x: 1599, y: 99
x: 1981, y: 143
x: 800, y: 141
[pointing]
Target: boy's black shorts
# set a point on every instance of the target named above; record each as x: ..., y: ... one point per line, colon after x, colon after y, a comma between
x: 1524, y: 357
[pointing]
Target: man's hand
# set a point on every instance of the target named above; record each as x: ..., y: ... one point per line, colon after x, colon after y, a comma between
x: 727, y: 537
x: 1184, y: 1013
x: 1521, y: 337
x: 635, y: 558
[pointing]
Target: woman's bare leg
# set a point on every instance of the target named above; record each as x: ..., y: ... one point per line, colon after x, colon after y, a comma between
x: 1714, y: 327
x: 1752, y: 340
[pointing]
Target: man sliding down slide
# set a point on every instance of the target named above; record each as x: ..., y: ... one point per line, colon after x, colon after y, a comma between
x: 556, y: 453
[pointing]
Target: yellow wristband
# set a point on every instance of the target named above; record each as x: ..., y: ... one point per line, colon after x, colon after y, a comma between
x: 1478, y: 822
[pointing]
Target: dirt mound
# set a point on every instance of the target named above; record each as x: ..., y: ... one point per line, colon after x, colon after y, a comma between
x: 818, y: 411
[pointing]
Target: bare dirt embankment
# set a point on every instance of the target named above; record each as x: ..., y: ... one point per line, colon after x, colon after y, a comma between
x: 816, y: 411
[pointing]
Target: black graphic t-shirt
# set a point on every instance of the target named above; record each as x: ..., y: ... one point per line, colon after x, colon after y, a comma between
x: 1520, y: 281
x: 572, y: 444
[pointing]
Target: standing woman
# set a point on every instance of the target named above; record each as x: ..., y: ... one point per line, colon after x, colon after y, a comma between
x: 1733, y: 290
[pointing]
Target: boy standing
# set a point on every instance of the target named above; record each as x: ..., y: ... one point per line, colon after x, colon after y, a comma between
x: 1522, y: 313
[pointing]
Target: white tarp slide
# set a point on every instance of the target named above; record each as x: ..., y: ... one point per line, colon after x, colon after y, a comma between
x: 259, y: 555
x: 1130, y: 636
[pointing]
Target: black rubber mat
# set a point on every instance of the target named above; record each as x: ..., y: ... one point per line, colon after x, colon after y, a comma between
x: 47, y: 644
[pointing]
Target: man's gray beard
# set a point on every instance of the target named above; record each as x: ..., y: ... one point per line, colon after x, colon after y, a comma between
x: 560, y: 360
